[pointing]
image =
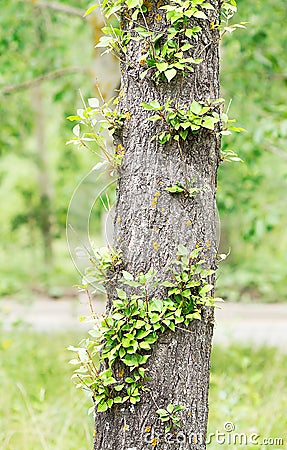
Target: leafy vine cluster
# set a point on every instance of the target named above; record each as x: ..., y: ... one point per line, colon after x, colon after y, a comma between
x: 121, y: 343
x: 164, y: 56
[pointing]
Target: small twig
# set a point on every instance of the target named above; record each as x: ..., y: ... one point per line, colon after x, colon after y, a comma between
x: 60, y: 7
x: 91, y: 362
x: 205, y: 47
x: 276, y: 151
x: 183, y: 329
x: 153, y: 400
x: 91, y: 303
x: 99, y: 91
x: 36, y: 81
x: 83, y: 382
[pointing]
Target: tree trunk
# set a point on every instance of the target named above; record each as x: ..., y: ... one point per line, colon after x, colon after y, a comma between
x: 150, y: 222
x: 44, y: 184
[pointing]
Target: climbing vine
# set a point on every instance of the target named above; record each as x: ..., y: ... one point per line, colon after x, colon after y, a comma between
x: 170, y: 416
x: 95, y: 123
x: 181, y: 122
x: 164, y: 54
x: 124, y: 338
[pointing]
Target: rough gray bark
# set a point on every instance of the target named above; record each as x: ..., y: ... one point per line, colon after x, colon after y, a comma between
x: 149, y: 225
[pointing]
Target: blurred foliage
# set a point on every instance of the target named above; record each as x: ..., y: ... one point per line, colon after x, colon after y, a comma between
x: 239, y: 375
x: 39, y: 410
x: 35, y: 41
x: 252, y: 196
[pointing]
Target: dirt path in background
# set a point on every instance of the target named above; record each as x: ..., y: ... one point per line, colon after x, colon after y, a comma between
x: 235, y: 322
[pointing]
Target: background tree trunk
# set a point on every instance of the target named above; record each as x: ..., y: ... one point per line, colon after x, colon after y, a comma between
x: 44, y: 183
x: 149, y: 225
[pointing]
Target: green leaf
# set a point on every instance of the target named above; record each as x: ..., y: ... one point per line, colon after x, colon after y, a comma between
x: 205, y: 289
x: 102, y: 407
x: 143, y: 359
x: 129, y: 380
x: 170, y: 408
x: 179, y: 408
x: 91, y: 9
x: 141, y: 371
x: 134, y: 400
x: 186, y: 293
x: 192, y: 284
x: 127, y: 276
x: 167, y: 284
x: 154, y: 317
x: 126, y: 342
x: 131, y: 360
x: 156, y: 305
x: 237, y: 129
x: 183, y: 134
x: 122, y: 352
x: 140, y: 324
x: 76, y: 130
x: 164, y: 137
x: 152, y: 106
x: 162, y: 412
x: 200, y: 15
x: 155, y: 117
x: 73, y: 118
x: 133, y: 3
x: 195, y: 107
x: 142, y: 334
x: 144, y: 345
x: 182, y: 250
x: 207, y: 6
x: 121, y: 294
x: 171, y: 326
x: 195, y: 315
x: 143, y: 32
x: 132, y: 283
x: 186, y: 47
x: 190, y: 32
x: 151, y: 338
x: 170, y: 74
x: 93, y: 102
x: 162, y: 66
x: 175, y: 189
x: 143, y: 74
x: 209, y: 122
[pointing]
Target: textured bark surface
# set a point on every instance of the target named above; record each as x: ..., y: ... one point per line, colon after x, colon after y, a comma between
x: 149, y: 224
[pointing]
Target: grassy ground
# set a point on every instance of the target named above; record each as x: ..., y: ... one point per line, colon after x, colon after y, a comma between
x: 41, y: 409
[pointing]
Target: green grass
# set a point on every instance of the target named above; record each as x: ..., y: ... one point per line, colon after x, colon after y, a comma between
x: 247, y: 388
x: 41, y: 409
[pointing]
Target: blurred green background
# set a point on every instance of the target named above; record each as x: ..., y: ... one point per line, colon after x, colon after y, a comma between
x: 46, y: 55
